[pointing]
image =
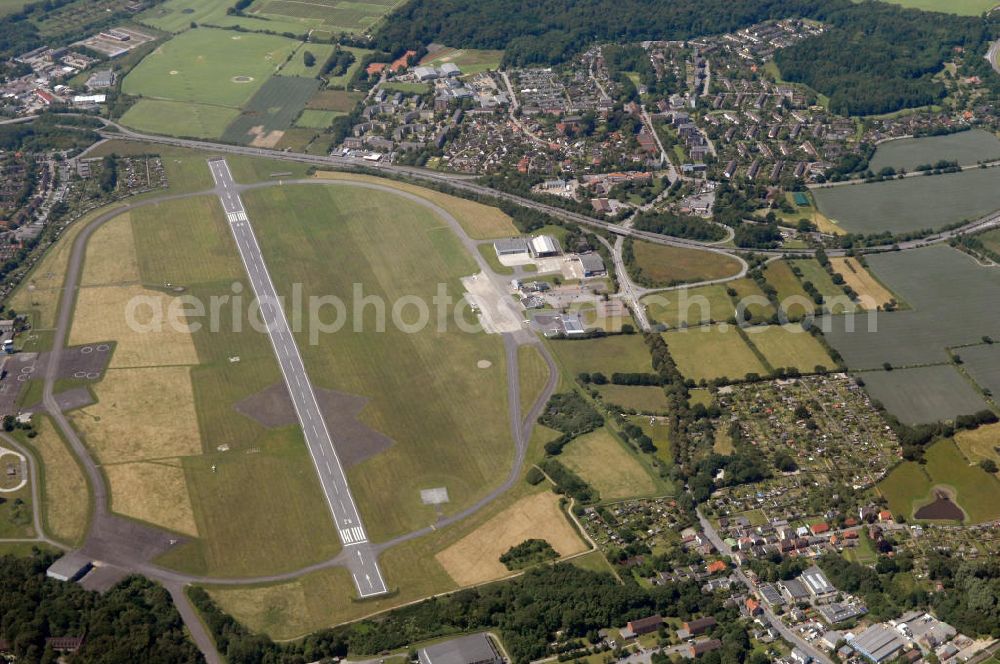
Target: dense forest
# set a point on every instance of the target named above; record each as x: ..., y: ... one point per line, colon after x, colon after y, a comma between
x: 133, y: 622
x: 892, y: 55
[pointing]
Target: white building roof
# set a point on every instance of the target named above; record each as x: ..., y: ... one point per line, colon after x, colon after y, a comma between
x: 543, y: 244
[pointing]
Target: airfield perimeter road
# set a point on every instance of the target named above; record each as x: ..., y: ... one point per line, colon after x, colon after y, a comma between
x: 361, y: 560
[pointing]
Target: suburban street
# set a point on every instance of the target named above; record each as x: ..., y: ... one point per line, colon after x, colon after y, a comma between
x: 786, y: 633
x: 361, y: 559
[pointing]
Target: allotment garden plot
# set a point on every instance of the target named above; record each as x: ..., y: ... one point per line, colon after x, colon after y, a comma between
x: 912, y: 204
x: 817, y: 433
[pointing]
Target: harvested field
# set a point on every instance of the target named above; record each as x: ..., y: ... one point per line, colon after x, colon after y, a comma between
x: 475, y: 558
x: 871, y: 293
x: 480, y: 222
x: 789, y: 346
x: 924, y: 394
x: 642, y: 398
x: 709, y: 353
x: 141, y: 414
x: 155, y: 492
x: 601, y: 460
x: 913, y: 204
x: 692, y: 306
x: 626, y: 353
x: 951, y: 302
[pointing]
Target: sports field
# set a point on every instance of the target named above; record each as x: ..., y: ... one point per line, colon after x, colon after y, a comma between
x: 913, y: 204
x: 604, y: 463
x: 711, y: 352
x: 965, y: 147
x: 910, y: 485
x: 962, y: 7
x: 626, y: 353
x: 421, y: 385
x: 789, y: 346
x: 951, y: 301
x: 663, y: 265
x: 924, y: 394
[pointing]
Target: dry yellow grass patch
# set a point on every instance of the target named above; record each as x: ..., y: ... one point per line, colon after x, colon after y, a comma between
x: 871, y: 293
x: 981, y: 443
x: 141, y: 414
x: 40, y: 292
x: 64, y: 487
x: 476, y: 557
x: 601, y: 461
x: 481, y: 222
x: 101, y: 314
x: 111, y: 256
x: 153, y: 492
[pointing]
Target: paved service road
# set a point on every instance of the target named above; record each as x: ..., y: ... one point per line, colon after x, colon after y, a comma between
x: 360, y: 557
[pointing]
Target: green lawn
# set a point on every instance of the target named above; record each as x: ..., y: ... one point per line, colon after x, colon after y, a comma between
x: 177, y: 118
x: 470, y: 60
x: 296, y: 66
x: 663, y: 265
x: 642, y: 398
x: 316, y: 119
x: 691, y: 306
x: 423, y: 386
x: 712, y: 352
x: 604, y: 463
x: 216, y: 67
x: 909, y: 485
x: 625, y: 353
x: 792, y: 299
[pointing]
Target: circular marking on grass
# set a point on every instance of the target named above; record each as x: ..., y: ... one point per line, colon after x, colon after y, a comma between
x: 174, y: 72
x: 86, y: 350
x: 93, y: 375
x: 103, y: 348
x: 484, y: 364
x: 80, y: 374
x: 28, y: 370
x: 242, y: 79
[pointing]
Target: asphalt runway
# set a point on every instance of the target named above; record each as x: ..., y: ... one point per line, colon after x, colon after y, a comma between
x: 361, y: 558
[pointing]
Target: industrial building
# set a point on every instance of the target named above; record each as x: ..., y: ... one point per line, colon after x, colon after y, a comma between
x: 472, y: 649
x: 878, y: 643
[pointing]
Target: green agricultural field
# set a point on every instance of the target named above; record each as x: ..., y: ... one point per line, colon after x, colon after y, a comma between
x: 206, y: 66
x: 983, y: 364
x: 789, y: 346
x: 991, y: 240
x: 421, y: 386
x: 792, y: 299
x: 178, y: 118
x: 966, y: 147
x: 815, y: 274
x: 331, y: 15
x: 296, y: 66
x: 952, y: 304
x: 913, y: 204
x: 691, y: 306
x: 470, y: 60
x: 716, y: 351
x: 750, y: 298
x: 334, y: 100
x: 962, y: 7
x: 642, y: 398
x: 11, y: 6
x: 407, y: 88
x: 924, y: 394
x: 663, y: 265
x: 316, y: 119
x: 271, y: 111
x: 625, y: 353
x: 178, y: 15
x: 910, y: 485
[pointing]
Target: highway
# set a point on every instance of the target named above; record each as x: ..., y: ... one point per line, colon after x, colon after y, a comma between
x: 361, y: 559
